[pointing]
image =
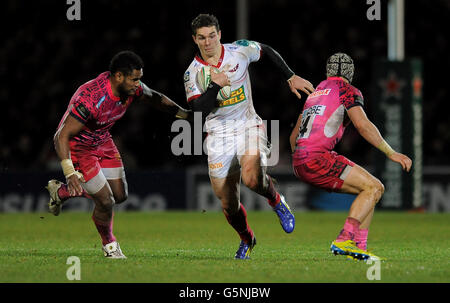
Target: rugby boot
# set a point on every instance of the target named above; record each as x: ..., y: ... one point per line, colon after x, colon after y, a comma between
x: 349, y: 248
x: 112, y: 251
x: 55, y: 203
x: 245, y: 249
x: 285, y: 215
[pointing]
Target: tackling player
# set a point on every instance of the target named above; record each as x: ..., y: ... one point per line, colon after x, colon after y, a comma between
x: 326, y: 113
x: 90, y: 160
x: 237, y: 142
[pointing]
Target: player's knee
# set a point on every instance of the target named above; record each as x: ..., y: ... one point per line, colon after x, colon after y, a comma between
x: 252, y: 181
x: 229, y: 209
x: 377, y: 188
x: 120, y: 198
x: 105, y: 203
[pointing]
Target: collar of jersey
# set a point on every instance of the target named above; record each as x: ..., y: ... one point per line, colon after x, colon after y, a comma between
x: 200, y: 59
x: 110, y: 93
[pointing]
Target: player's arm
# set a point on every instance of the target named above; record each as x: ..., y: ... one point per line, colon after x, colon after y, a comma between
x: 372, y: 135
x: 163, y: 103
x: 206, y: 102
x: 295, y: 82
x: 294, y: 133
x: 67, y: 130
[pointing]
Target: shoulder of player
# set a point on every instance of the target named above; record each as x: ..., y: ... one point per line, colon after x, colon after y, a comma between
x: 356, y: 90
x: 190, y: 72
x: 240, y: 45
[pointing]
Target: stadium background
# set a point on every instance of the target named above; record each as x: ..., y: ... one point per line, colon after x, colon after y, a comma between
x: 44, y: 58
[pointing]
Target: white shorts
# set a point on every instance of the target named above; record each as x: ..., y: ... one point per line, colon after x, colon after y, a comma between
x: 224, y: 153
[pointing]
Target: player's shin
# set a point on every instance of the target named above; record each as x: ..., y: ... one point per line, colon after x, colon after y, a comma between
x: 238, y: 221
x: 273, y: 197
x: 63, y: 193
x: 104, y: 227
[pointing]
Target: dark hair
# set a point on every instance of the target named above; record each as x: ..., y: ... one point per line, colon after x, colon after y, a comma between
x: 204, y: 20
x: 125, y: 62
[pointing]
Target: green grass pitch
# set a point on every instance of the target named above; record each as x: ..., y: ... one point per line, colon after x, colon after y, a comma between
x: 196, y: 247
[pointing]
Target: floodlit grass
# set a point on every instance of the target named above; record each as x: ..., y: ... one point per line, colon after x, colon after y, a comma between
x: 195, y: 247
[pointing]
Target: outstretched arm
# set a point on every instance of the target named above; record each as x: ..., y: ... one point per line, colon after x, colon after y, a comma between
x: 372, y: 135
x: 163, y: 103
x: 295, y: 82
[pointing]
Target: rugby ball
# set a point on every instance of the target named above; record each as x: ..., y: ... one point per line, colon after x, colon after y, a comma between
x: 204, y: 78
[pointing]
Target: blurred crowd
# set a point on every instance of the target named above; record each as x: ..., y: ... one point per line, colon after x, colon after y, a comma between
x: 44, y: 58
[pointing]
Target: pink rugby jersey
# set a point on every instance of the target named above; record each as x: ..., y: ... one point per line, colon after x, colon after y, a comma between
x: 324, y: 118
x: 95, y: 105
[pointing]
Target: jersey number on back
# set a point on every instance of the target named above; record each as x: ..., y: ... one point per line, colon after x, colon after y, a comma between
x: 308, y: 119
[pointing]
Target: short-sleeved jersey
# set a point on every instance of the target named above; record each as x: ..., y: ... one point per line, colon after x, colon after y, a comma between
x: 324, y: 117
x: 95, y: 105
x: 236, y: 113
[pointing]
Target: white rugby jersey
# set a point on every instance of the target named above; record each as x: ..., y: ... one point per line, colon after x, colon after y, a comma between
x: 236, y: 113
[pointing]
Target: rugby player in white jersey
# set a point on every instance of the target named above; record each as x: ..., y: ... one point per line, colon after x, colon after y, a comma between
x: 236, y: 144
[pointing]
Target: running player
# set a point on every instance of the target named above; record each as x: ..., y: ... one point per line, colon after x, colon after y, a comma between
x: 237, y: 142
x: 326, y: 113
x: 89, y: 158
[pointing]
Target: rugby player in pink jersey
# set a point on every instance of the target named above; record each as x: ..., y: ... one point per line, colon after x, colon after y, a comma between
x: 326, y: 113
x: 90, y: 160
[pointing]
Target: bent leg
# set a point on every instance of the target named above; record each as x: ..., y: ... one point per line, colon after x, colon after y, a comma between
x: 118, y: 183
x: 254, y: 176
x: 103, y: 198
x: 369, y: 191
x: 103, y: 214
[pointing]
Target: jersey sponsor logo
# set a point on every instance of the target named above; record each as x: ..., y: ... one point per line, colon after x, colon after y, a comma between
x: 242, y: 42
x: 237, y: 96
x: 101, y: 101
x: 83, y: 111
x: 215, y: 165
x: 187, y: 76
x: 318, y: 93
x: 190, y: 88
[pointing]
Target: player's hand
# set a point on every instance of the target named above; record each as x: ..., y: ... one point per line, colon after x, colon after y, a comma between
x: 74, y: 185
x: 184, y: 114
x: 220, y: 78
x: 403, y: 160
x: 298, y: 83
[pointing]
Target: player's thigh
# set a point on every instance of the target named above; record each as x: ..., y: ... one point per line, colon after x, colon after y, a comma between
x: 100, y: 191
x: 253, y: 152
x: 112, y: 167
x: 227, y: 190
x: 222, y: 160
x: 357, y: 180
x: 119, y: 188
